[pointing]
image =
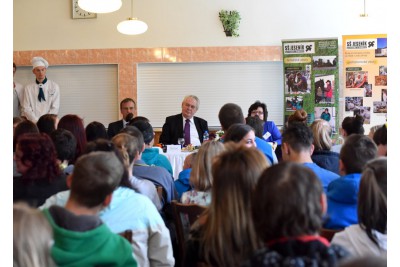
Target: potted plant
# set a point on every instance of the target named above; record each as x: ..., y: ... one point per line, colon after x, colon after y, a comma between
x: 230, y: 21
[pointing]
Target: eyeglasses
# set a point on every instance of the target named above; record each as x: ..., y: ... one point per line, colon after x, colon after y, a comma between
x: 256, y: 112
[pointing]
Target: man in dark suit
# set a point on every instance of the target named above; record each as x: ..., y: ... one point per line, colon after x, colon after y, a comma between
x: 127, y: 108
x: 174, y: 126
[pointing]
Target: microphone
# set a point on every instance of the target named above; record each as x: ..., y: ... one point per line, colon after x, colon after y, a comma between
x: 129, y: 117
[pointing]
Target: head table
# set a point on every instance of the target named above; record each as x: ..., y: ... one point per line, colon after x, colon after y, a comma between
x: 176, y: 159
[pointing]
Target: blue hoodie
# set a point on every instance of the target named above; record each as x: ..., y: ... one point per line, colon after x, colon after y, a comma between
x: 342, y: 201
x: 152, y: 157
x: 182, y: 184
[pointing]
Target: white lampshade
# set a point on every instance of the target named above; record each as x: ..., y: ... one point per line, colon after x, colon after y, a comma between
x: 100, y: 6
x: 132, y: 26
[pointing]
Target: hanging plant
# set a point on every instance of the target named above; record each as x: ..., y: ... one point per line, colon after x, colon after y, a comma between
x: 230, y: 21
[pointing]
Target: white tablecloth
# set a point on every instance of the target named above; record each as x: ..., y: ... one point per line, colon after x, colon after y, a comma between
x: 176, y: 160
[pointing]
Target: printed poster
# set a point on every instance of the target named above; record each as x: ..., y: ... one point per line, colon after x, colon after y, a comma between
x: 311, y: 78
x: 365, y: 74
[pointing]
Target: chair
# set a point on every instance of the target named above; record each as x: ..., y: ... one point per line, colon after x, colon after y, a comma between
x: 127, y: 234
x: 184, y: 217
x: 329, y: 233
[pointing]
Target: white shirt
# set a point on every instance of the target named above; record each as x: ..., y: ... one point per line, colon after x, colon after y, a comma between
x: 32, y: 109
x: 355, y: 240
x: 194, y: 135
x: 17, y: 99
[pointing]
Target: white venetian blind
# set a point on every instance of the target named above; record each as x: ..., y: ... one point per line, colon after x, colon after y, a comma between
x: 89, y: 91
x: 162, y: 87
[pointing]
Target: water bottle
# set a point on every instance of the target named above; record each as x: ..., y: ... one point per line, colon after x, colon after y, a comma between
x: 206, y: 136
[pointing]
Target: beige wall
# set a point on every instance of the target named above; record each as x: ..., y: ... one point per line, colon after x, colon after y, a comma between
x: 47, y: 24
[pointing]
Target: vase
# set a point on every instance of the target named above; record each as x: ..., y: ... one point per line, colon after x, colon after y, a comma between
x: 228, y: 33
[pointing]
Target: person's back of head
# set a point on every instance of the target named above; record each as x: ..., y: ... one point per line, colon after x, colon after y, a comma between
x: 300, y: 115
x: 74, y: 124
x: 257, y: 124
x: 229, y: 235
x: 189, y: 160
x: 236, y: 132
x: 298, y: 136
x: 200, y: 176
x: 139, y: 118
x: 47, y: 123
x: 135, y: 132
x: 24, y: 127
x: 287, y: 202
x: 96, y: 175
x: 95, y: 130
x: 128, y: 145
x: 357, y: 150
x: 229, y: 114
x: 372, y: 198
x: 65, y: 143
x: 32, y: 235
x: 380, y: 139
x: 106, y: 145
x: 322, y: 135
x: 353, y: 125
x: 146, y: 129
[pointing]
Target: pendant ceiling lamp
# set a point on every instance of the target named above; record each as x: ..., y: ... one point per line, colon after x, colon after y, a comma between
x: 132, y: 26
x: 100, y: 6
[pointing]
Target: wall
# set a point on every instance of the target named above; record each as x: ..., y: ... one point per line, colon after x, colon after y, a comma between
x: 47, y: 24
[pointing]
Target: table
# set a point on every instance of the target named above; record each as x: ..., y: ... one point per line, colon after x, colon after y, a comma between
x: 176, y: 160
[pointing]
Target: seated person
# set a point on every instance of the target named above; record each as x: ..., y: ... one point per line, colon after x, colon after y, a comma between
x: 288, y: 206
x: 342, y: 193
x: 126, y: 107
x: 369, y: 236
x: 182, y: 184
x: 151, y: 155
x: 270, y: 133
x: 177, y: 125
x: 79, y: 234
x: 297, y: 146
x: 65, y: 144
x: 201, y: 177
x: 95, y: 130
x: 350, y: 125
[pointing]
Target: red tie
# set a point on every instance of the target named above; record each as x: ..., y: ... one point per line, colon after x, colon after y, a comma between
x: 187, y: 132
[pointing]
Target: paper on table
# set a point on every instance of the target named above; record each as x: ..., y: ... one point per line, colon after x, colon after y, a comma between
x: 173, y: 149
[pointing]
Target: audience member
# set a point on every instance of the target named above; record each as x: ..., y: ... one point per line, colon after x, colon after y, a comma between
x: 151, y: 155
x: 95, y: 130
x: 300, y: 115
x: 33, y: 237
x: 257, y: 124
x: 288, y: 206
x: 242, y: 134
x: 157, y: 175
x: 127, y: 107
x: 350, y: 125
x: 74, y: 124
x: 182, y: 184
x: 42, y: 96
x: 270, y: 133
x: 23, y: 127
x: 177, y: 125
x: 225, y: 235
x: 342, y: 193
x: 380, y: 139
x: 322, y: 155
x: 36, y: 160
x: 366, y: 261
x: 297, y: 146
x: 129, y: 148
x: 373, y: 129
x: 128, y: 210
x: 65, y: 144
x: 81, y: 238
x: 201, y: 177
x: 47, y: 123
x: 18, y: 93
x: 17, y: 120
x: 368, y: 237
x: 231, y: 113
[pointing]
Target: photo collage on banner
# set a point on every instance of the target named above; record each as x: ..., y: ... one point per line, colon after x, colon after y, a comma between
x: 365, y: 71
x: 311, y: 79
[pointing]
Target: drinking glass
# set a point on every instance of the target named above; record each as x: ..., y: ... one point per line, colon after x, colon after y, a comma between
x: 181, y: 141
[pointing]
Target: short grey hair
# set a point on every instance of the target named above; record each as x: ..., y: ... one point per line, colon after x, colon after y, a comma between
x: 195, y: 98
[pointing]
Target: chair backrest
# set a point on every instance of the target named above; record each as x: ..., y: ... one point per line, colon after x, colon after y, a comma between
x: 127, y: 234
x: 184, y: 217
x: 329, y: 233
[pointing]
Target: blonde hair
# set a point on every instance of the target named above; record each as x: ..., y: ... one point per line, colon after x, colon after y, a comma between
x: 201, y: 176
x: 229, y: 236
x: 33, y: 237
x: 322, y: 134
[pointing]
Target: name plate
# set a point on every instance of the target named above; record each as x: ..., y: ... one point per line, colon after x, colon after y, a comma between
x: 173, y: 149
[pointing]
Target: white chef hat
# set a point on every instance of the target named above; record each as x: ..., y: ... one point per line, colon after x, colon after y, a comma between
x: 39, y: 62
